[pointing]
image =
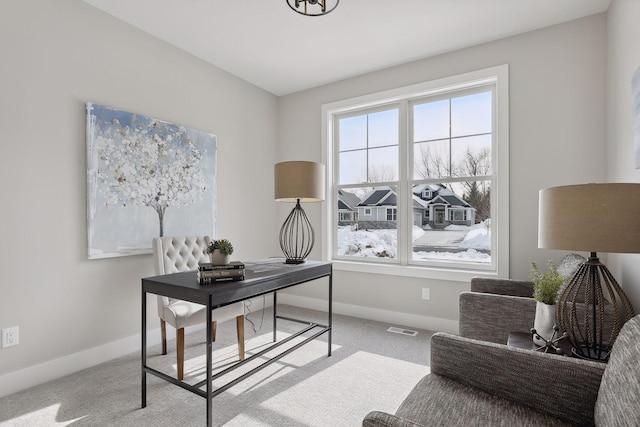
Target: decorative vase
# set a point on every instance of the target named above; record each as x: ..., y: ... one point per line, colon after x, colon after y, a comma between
x: 544, y: 322
x: 218, y: 258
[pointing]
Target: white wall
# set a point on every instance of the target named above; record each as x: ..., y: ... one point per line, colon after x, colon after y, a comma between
x: 623, y: 60
x: 557, y: 129
x: 55, y: 57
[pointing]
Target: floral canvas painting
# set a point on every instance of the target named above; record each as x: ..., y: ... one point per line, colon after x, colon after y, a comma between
x: 635, y: 97
x: 145, y: 178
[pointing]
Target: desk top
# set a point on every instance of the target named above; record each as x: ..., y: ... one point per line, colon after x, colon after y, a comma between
x: 261, y: 277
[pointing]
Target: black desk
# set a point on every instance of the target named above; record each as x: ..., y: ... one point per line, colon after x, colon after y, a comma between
x: 261, y: 278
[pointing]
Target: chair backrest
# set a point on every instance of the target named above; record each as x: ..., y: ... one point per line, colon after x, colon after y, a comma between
x: 175, y: 254
x: 619, y: 394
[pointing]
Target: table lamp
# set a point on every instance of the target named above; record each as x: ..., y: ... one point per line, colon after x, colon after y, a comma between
x: 591, y: 307
x: 298, y: 181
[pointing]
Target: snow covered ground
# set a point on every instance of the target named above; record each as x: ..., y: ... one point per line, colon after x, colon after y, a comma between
x: 383, y: 243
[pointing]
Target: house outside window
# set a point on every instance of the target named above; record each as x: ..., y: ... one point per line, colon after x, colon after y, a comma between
x: 430, y: 161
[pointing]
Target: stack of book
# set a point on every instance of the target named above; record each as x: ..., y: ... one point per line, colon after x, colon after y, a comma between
x: 209, y: 273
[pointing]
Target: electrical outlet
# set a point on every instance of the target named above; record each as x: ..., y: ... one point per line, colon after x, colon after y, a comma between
x: 426, y: 294
x: 10, y: 337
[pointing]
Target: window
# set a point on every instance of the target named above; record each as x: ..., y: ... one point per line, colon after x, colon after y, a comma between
x: 392, y: 214
x: 430, y: 163
x: 346, y: 216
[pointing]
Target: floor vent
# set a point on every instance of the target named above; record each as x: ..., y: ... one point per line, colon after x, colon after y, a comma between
x: 402, y: 331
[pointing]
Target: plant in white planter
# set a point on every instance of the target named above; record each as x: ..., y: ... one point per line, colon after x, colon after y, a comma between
x: 220, y: 251
x: 545, y: 291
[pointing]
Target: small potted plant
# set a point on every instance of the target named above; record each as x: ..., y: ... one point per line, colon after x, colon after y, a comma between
x: 545, y: 291
x: 220, y: 251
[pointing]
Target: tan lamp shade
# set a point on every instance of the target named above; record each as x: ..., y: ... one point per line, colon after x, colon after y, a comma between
x: 299, y: 180
x: 590, y: 217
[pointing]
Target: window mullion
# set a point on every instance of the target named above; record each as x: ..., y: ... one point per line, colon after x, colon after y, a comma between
x: 405, y: 213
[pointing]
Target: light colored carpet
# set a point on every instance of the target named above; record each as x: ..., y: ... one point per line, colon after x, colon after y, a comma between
x: 370, y: 369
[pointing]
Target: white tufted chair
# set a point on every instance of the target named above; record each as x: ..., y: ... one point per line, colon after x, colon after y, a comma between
x: 174, y: 254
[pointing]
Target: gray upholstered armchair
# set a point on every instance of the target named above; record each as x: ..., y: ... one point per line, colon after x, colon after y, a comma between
x: 479, y: 383
x: 495, y: 307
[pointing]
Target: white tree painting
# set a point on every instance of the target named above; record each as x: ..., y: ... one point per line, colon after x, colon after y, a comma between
x: 145, y: 178
x: 635, y: 98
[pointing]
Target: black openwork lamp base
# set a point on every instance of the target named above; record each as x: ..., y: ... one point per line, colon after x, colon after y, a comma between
x: 296, y: 236
x: 592, y: 309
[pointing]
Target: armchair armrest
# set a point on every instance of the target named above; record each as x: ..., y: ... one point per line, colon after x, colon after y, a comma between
x: 491, y: 317
x: 516, y: 288
x: 383, y: 419
x: 560, y: 386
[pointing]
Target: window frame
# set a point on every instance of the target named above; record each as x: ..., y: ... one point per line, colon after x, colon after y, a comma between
x: 393, y: 212
x: 499, y: 77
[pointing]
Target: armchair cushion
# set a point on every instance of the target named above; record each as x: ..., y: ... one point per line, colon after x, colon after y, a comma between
x: 431, y: 404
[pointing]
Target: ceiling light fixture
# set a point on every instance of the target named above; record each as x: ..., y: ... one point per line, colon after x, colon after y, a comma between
x: 313, y: 7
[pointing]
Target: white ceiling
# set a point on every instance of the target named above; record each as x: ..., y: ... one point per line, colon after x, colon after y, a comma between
x: 266, y: 43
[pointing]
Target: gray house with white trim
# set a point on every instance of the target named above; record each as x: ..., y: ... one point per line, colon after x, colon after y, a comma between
x: 434, y: 206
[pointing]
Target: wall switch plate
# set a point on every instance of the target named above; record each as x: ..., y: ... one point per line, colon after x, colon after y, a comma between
x: 10, y: 337
x: 426, y: 294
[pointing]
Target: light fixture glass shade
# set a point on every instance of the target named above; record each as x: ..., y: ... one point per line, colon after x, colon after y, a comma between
x: 591, y: 307
x: 298, y: 181
x: 313, y: 7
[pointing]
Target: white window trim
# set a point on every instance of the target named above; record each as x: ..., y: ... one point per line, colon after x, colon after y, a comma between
x: 500, y: 194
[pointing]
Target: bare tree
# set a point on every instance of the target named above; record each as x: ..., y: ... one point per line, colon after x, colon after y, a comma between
x: 380, y: 173
x: 477, y: 193
x: 432, y: 164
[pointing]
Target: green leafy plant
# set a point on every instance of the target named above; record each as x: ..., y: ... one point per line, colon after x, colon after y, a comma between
x: 546, y: 284
x: 223, y: 245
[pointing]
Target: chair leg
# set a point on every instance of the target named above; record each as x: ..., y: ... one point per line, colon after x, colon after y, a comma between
x: 214, y: 328
x: 240, y: 328
x: 180, y: 352
x: 163, y: 332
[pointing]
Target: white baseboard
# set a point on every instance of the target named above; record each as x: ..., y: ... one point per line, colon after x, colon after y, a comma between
x: 23, y: 379
x: 393, y: 317
x: 65, y: 365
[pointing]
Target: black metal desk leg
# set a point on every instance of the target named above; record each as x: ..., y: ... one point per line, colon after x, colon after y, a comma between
x: 209, y: 356
x: 275, y: 315
x: 143, y: 333
x: 330, y: 310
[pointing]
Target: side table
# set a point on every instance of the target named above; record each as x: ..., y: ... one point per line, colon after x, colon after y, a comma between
x: 524, y: 340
